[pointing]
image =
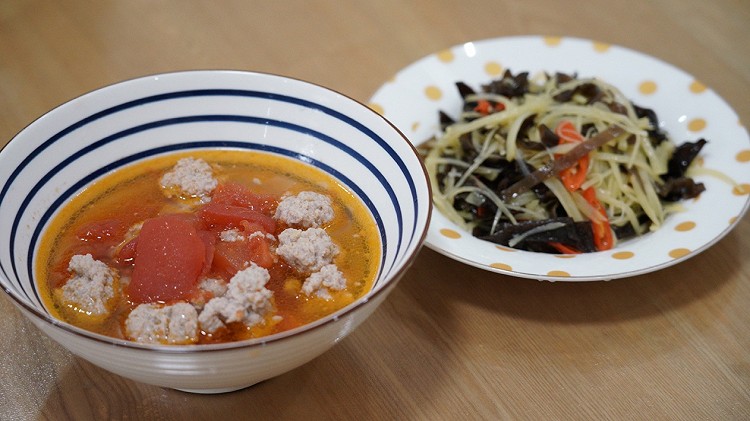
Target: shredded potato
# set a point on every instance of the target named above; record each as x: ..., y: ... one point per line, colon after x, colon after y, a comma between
x: 467, y: 163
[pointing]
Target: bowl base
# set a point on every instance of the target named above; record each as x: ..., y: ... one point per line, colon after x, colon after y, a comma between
x: 216, y: 391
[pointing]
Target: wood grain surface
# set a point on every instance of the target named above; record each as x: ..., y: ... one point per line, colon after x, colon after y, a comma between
x: 451, y: 341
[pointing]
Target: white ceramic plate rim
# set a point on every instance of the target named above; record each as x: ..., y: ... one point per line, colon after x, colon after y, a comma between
x: 686, y: 108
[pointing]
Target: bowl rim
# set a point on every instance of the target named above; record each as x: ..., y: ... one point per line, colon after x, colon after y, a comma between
x: 359, y: 304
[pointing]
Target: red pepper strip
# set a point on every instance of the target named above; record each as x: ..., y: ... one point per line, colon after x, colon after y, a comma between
x: 603, y: 237
x: 562, y: 248
x: 486, y: 107
x: 574, y: 176
x: 555, y: 167
x: 483, y: 107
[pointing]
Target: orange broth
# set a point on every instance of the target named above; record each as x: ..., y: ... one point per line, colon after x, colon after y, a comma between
x: 97, y: 221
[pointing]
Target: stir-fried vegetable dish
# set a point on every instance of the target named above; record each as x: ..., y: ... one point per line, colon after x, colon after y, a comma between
x: 557, y: 164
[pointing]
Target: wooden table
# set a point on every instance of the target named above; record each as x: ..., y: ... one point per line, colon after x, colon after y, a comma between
x: 452, y: 341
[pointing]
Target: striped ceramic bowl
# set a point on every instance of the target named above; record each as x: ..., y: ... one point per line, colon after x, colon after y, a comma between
x: 68, y: 148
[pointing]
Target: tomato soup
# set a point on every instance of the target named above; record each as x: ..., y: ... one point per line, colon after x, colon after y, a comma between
x: 206, y: 247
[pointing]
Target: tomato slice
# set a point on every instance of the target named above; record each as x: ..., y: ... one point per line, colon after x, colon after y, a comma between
x: 223, y: 216
x: 231, y: 257
x: 237, y: 194
x: 260, y: 252
x: 106, y: 231
x: 209, y: 240
x: 169, y: 258
x: 126, y: 254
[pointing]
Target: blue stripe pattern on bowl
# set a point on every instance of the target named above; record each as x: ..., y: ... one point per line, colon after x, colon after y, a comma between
x: 399, y: 208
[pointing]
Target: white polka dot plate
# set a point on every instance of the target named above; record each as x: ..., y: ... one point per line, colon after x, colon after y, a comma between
x: 686, y: 108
